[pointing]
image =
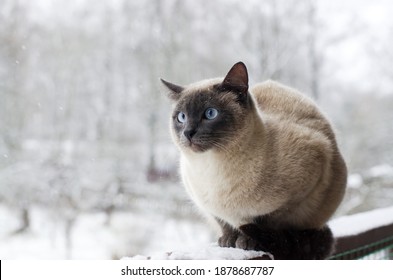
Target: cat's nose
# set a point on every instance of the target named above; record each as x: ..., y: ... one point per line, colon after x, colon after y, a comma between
x: 189, y: 133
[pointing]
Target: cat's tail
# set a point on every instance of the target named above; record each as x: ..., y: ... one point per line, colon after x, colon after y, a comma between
x: 292, y: 244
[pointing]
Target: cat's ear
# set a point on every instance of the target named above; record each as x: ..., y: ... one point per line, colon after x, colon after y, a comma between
x: 174, y: 90
x: 237, y: 78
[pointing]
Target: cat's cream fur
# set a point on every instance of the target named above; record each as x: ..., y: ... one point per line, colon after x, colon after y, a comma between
x: 285, y: 164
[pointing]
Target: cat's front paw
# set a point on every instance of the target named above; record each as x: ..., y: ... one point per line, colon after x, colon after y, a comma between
x: 237, y: 240
x: 251, y: 237
x: 228, y: 239
x: 247, y: 243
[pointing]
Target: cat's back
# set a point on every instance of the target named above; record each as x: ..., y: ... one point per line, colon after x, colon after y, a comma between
x: 281, y: 103
x: 275, y: 98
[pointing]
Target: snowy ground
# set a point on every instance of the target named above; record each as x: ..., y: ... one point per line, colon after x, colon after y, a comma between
x: 127, y: 234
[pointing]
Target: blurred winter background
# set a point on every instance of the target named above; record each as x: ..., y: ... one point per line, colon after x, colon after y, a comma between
x: 87, y: 167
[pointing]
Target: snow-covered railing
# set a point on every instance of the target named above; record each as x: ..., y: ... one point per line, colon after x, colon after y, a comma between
x: 363, y: 235
x: 367, y: 235
x: 209, y: 252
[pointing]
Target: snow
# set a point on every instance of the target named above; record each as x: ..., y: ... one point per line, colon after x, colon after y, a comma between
x: 383, y: 170
x: 138, y: 236
x: 127, y: 234
x: 355, y: 181
x: 211, y: 252
x: 361, y: 222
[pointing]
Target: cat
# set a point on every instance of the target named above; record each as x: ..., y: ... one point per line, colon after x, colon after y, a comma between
x: 264, y: 163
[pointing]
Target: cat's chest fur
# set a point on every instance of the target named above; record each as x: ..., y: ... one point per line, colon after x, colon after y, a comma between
x: 216, y: 187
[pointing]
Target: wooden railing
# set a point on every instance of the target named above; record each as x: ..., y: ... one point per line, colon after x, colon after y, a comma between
x: 376, y: 243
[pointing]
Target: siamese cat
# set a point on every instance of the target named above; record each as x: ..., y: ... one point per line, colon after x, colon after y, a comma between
x: 263, y: 163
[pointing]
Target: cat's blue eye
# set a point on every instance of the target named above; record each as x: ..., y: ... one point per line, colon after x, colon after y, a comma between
x: 181, y: 117
x: 211, y: 113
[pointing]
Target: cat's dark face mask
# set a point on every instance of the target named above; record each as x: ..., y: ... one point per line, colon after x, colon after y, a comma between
x: 207, y: 119
x: 210, y: 116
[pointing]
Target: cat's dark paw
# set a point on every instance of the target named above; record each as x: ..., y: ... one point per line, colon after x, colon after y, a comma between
x: 322, y: 243
x: 287, y: 244
x: 247, y: 243
x: 254, y: 238
x: 236, y: 239
x: 228, y: 239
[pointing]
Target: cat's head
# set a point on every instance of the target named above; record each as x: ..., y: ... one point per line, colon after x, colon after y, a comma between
x: 210, y: 114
